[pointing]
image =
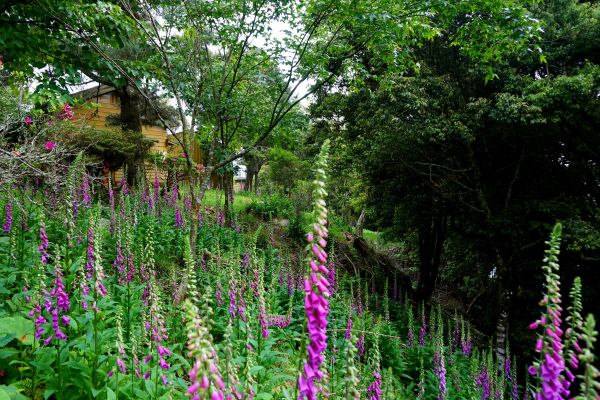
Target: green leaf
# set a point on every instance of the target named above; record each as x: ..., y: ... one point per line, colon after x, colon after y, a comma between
x: 19, y: 326
x: 110, y: 394
x: 6, y: 339
x: 149, y: 385
x: 256, y: 369
x: 11, y: 393
x: 48, y: 393
x: 264, y: 396
x: 75, y: 266
x: 6, y: 353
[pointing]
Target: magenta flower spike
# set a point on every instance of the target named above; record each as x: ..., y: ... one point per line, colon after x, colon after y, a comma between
x: 316, y: 287
x: 56, y: 305
x: 43, y: 249
x: 483, y: 381
x: 8, y: 219
x: 423, y: 331
x: 550, y: 368
x: 188, y: 203
x: 348, y: 333
x: 87, y: 199
x: 178, y: 218
x: 374, y: 390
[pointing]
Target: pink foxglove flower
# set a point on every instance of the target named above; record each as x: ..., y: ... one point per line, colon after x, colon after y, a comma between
x: 550, y: 368
x: 44, y: 245
x: 316, y: 288
x: 374, y: 390
x: 8, y: 219
x: 206, y: 380
x: 178, y: 218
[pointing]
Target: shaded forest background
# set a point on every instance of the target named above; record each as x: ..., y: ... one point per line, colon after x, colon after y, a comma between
x: 470, y: 174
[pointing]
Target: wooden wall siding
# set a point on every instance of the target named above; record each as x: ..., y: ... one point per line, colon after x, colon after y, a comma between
x: 159, y: 136
x: 175, y: 150
x: 197, y: 153
x: 96, y: 116
x: 108, y: 104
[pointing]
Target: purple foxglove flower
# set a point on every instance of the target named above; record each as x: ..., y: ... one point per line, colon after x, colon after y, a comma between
x: 44, y: 245
x: 348, y: 333
x: 163, y: 364
x: 374, y: 390
x: 441, y: 374
x: 483, y: 381
x: 316, y: 288
x: 178, y: 218
x: 360, y: 345
x: 174, y: 194
x: 467, y: 346
x: 241, y: 308
x: 290, y: 284
x: 219, y: 295
x: 87, y: 199
x: 262, y: 318
x: 423, y: 331
x: 121, y: 365
x: 411, y: 336
x: 59, y: 294
x: 232, y: 301
x: 8, y: 219
x: 280, y: 321
x: 551, y: 368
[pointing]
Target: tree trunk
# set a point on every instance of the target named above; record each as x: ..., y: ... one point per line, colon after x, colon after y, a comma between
x: 360, y: 223
x: 502, y: 271
x: 228, y: 190
x: 209, y: 168
x: 503, y: 305
x: 130, y: 121
x: 256, y: 189
x: 249, y: 176
x: 431, y: 242
x: 501, y: 333
x: 205, y: 184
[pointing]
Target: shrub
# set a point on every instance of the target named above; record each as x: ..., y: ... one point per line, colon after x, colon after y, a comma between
x: 273, y: 206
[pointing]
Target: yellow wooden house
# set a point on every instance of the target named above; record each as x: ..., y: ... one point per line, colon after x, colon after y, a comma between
x: 107, y: 104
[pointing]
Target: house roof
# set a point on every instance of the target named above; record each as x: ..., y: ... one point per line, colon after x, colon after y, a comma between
x: 95, y: 91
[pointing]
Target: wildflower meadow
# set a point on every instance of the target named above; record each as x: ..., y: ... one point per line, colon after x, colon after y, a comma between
x: 104, y: 297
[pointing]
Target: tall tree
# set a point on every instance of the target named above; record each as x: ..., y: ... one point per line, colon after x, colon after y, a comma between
x: 487, y: 167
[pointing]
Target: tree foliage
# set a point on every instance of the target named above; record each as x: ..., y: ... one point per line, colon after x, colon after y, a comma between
x: 471, y: 174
